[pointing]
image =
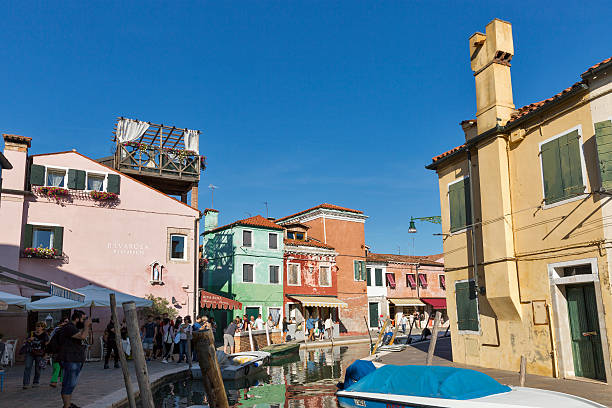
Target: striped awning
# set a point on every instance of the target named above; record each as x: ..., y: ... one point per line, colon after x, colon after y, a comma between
x: 213, y: 301
x: 319, y: 301
x: 406, y: 302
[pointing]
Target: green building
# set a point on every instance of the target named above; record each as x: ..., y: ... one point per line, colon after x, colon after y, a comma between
x: 245, y: 263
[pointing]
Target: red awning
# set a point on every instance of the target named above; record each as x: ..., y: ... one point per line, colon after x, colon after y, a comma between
x: 423, y: 280
x: 211, y: 301
x: 436, y: 303
x: 411, y: 281
x: 391, y: 280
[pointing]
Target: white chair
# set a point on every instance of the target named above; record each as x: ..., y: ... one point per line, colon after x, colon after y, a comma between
x: 11, y: 349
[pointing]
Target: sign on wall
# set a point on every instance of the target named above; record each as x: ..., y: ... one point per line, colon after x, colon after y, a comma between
x: 125, y: 248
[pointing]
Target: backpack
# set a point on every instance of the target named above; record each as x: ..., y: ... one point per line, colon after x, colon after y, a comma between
x: 53, y: 346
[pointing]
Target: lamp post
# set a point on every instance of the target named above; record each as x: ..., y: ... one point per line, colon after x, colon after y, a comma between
x: 436, y: 219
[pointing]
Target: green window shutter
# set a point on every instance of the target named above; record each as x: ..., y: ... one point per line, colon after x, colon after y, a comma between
x: 472, y: 311
x: 356, y: 267
x: 467, y: 201
x: 467, y: 306
x: 551, y: 171
x: 461, y: 300
x: 369, y: 276
x: 72, y: 179
x: 37, y: 175
x: 113, y: 183
x: 28, y: 232
x: 571, y: 164
x: 80, y: 179
x: 603, y: 137
x: 363, y: 270
x: 378, y: 277
x: 58, y: 239
x: 457, y: 194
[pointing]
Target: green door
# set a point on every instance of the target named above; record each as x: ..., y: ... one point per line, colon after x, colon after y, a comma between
x: 584, y: 327
x: 373, y: 314
x: 252, y: 311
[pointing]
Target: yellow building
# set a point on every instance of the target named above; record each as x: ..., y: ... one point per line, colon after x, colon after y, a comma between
x: 526, y: 199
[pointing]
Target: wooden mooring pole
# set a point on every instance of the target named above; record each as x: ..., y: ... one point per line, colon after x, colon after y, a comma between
x: 140, y: 364
x: 523, y: 371
x: 204, y: 344
x: 124, y: 366
x: 434, y: 339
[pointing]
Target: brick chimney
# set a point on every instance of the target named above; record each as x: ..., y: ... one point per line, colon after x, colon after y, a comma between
x: 490, y: 56
x: 211, y: 219
x: 16, y: 152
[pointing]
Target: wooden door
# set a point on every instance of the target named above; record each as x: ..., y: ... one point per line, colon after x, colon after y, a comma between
x: 373, y: 314
x: 585, y: 334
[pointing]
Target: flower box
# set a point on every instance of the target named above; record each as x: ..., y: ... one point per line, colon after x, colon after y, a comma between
x: 55, y: 192
x: 43, y: 253
x: 103, y: 196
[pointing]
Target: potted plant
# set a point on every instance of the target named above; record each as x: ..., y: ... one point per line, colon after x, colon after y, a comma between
x: 103, y: 196
x: 43, y: 253
x: 55, y: 192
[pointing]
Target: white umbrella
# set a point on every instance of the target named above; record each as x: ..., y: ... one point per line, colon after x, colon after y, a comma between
x: 15, y: 300
x: 94, y: 296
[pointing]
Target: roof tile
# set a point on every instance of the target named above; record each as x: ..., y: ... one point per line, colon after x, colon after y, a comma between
x: 256, y: 221
x: 424, y: 260
x: 310, y: 242
x: 324, y: 205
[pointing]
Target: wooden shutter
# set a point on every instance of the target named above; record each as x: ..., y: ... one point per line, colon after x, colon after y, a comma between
x: 603, y: 137
x: 378, y: 277
x: 456, y: 201
x: 551, y: 172
x: 472, y: 312
x: 113, y: 183
x: 76, y: 179
x: 369, y: 276
x: 571, y: 164
x: 37, y: 175
x: 58, y: 239
x: 28, y: 233
x: 363, y: 270
x: 467, y: 306
x: 357, y: 270
x: 467, y: 201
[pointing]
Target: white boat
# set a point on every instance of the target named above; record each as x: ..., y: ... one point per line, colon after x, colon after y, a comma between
x: 238, y: 365
x: 442, y: 387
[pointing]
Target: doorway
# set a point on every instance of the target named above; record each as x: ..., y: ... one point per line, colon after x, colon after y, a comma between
x: 373, y: 314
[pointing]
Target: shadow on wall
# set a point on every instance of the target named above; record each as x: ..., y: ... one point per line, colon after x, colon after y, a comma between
x: 217, y: 276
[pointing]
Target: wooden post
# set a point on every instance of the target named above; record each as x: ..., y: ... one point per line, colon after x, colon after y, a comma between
x: 369, y: 334
x: 412, y: 323
x: 211, y: 373
x: 523, y: 371
x: 434, y: 339
x: 142, y: 374
x: 124, y: 366
x: 267, y: 333
x: 381, y: 336
x: 251, y: 338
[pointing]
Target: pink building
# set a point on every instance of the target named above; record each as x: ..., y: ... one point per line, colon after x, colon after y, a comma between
x: 69, y: 219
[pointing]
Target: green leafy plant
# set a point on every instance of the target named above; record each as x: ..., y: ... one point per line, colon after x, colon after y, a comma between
x: 159, y: 307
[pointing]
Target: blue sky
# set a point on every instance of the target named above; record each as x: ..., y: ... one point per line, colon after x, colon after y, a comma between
x: 299, y: 103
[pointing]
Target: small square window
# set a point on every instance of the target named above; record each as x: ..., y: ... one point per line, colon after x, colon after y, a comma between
x: 42, y: 238
x: 56, y: 178
x: 247, y: 272
x: 177, y: 250
x: 247, y: 238
x: 95, y: 182
x: 272, y: 241
x: 274, y: 274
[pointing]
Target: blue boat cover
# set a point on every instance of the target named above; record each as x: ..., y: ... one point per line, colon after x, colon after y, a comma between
x: 428, y: 381
x: 357, y: 371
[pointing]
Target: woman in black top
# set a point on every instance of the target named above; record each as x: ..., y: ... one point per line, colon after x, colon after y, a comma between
x: 35, y: 351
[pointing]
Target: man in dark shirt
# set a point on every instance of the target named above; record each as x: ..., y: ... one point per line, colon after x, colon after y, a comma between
x: 228, y: 335
x: 72, y: 353
x: 110, y: 345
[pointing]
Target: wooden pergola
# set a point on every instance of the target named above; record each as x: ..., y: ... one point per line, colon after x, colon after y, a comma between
x: 164, y: 136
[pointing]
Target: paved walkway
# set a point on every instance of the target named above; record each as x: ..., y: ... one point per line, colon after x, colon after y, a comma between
x: 96, y: 388
x: 594, y: 391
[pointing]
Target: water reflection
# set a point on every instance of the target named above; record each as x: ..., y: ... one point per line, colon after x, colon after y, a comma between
x: 307, y: 380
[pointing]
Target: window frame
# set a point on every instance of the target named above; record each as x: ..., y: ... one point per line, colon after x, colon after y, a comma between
x: 56, y: 169
x: 382, y: 280
x: 184, y: 258
x: 299, y: 274
x: 277, y: 274
x: 467, y: 226
x: 242, y: 238
x: 329, y: 276
x: 97, y: 174
x: 363, y: 275
x: 253, y: 272
x: 49, y: 228
x: 582, y: 167
x: 270, y: 234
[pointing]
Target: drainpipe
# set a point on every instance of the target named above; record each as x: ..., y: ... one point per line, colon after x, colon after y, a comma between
x: 196, y: 275
x: 469, y: 158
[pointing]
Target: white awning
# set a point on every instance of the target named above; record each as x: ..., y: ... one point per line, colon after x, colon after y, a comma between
x: 319, y: 301
x: 406, y: 302
x: 11, y: 299
x: 94, y: 296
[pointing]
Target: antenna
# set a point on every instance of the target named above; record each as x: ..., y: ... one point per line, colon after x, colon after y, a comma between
x: 398, y: 250
x: 212, y: 195
x: 266, y: 203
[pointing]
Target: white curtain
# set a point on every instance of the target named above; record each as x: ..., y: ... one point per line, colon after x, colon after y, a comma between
x: 130, y: 129
x: 192, y: 140
x: 95, y: 183
x: 55, y: 179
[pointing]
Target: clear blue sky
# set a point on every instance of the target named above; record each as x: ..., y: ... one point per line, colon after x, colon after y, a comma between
x: 299, y: 102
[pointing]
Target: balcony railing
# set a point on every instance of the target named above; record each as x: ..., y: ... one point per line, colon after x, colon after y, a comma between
x: 158, y: 161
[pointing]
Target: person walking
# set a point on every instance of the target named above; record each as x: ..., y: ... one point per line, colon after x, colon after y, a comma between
x: 72, y: 353
x: 158, y: 343
x: 110, y: 345
x: 168, y: 338
x: 184, y: 334
x: 34, y: 350
x: 149, y: 330
x: 329, y: 324
x: 310, y: 326
x: 228, y: 336
x: 175, y: 348
x: 285, y: 330
x: 57, y: 368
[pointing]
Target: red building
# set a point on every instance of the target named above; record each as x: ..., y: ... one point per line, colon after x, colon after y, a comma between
x: 311, y: 276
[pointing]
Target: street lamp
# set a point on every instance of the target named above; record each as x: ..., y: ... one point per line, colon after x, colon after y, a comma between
x: 412, y: 228
x: 436, y: 219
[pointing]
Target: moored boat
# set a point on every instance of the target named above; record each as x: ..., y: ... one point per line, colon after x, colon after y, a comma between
x: 282, y: 349
x: 238, y: 365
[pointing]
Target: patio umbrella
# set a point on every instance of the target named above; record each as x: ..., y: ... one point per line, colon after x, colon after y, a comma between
x: 95, y: 296
x: 15, y: 300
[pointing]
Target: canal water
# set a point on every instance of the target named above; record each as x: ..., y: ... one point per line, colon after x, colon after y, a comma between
x: 304, y: 380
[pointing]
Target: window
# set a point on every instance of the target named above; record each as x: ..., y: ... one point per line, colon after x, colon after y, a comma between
x: 378, y: 277
x: 369, y: 276
x: 467, y: 306
x: 295, y: 235
x: 274, y: 274
x: 275, y: 312
x: 410, y: 281
x: 177, y: 247
x: 56, y: 178
x: 360, y: 270
x: 247, y: 238
x: 390, y: 280
x: 562, y: 167
x: 42, y: 237
x: 272, y: 241
x: 325, y: 276
x: 95, y: 182
x: 423, y: 280
x: 293, y: 274
x: 247, y: 273
x: 442, y: 281
x: 459, y: 204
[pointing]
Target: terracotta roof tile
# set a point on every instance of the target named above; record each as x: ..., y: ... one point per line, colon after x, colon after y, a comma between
x: 324, y: 205
x: 594, y: 67
x: 256, y: 221
x: 451, y: 151
x: 424, y: 260
x: 309, y: 242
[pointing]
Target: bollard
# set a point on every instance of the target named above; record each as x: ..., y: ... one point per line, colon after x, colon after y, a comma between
x: 523, y: 371
x: 434, y: 339
x: 140, y: 364
x: 124, y: 366
x: 211, y: 373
